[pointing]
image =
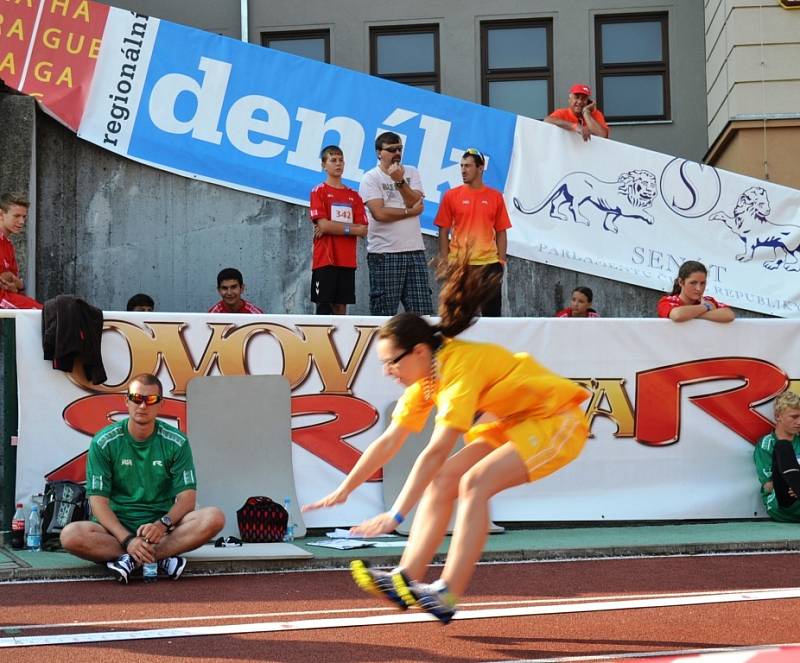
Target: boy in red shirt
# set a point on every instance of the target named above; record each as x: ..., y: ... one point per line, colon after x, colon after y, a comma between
x: 339, y: 216
x: 230, y: 286
x: 13, y: 214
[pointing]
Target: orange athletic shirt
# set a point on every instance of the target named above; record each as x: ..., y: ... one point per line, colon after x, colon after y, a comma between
x: 567, y: 115
x: 474, y: 217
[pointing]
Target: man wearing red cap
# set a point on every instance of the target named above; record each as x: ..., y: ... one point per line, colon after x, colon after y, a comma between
x: 581, y: 115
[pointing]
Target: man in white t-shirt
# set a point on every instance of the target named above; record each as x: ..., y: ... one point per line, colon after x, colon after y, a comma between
x: 398, y: 271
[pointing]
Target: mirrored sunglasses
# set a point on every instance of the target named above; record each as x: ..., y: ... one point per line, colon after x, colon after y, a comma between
x: 149, y: 399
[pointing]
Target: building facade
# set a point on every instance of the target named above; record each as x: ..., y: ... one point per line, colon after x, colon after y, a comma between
x: 642, y: 59
x: 753, y: 78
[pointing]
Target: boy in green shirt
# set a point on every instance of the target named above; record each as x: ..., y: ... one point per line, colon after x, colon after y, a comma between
x: 776, y: 462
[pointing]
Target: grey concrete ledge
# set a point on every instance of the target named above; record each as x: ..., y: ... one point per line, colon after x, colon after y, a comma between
x: 82, y: 570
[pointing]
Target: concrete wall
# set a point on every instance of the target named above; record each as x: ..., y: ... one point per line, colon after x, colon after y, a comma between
x: 109, y: 227
x: 459, y: 22
x: 17, y: 113
x: 16, y: 154
x: 114, y: 228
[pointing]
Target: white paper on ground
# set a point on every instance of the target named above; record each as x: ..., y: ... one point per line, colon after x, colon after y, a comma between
x: 341, y: 533
x: 348, y: 544
x: 341, y: 544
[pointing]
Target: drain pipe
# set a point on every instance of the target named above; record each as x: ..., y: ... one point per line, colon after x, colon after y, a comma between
x: 245, y: 21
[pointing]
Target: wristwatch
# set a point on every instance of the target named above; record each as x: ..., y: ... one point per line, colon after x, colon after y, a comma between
x: 166, y: 521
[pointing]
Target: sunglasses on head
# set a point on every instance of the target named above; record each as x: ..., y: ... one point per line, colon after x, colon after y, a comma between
x: 150, y: 399
x: 395, y: 149
x: 475, y: 152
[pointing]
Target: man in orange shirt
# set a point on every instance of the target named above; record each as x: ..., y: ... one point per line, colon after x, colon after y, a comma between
x: 473, y: 217
x: 581, y: 115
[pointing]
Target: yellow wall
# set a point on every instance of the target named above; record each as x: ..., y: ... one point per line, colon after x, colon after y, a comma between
x: 741, y: 148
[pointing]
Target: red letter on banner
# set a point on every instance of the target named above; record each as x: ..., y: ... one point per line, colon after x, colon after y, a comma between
x: 326, y: 440
x: 658, y: 397
x: 93, y: 413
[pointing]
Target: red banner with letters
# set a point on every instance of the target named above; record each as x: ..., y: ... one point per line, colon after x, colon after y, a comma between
x: 49, y: 49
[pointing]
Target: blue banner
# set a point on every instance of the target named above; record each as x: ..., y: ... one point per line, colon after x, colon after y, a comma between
x: 257, y: 118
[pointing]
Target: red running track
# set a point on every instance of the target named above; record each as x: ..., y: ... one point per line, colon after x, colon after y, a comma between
x: 586, y: 612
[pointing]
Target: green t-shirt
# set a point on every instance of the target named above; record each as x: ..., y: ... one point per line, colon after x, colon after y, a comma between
x: 141, y: 479
x: 762, y: 456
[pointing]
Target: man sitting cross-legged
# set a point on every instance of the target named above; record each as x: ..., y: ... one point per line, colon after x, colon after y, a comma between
x: 141, y: 484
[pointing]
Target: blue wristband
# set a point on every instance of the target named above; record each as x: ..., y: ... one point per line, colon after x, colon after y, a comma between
x: 399, y: 517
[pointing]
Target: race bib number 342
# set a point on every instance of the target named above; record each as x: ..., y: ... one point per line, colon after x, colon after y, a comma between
x: 342, y: 213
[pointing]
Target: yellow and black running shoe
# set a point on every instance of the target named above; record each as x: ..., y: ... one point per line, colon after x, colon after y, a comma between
x: 375, y: 582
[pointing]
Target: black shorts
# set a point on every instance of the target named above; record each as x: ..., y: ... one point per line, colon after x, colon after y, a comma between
x: 333, y: 285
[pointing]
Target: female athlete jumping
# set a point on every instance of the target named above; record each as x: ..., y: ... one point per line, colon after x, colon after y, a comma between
x: 530, y: 427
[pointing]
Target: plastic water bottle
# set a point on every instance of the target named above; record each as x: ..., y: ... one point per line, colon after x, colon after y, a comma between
x: 150, y: 571
x: 18, y: 528
x: 288, y: 537
x: 34, y: 533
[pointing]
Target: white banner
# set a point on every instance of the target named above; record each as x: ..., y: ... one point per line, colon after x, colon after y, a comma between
x: 674, y: 413
x: 633, y: 215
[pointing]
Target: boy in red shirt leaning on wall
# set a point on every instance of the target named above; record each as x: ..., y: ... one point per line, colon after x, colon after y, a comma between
x: 13, y: 214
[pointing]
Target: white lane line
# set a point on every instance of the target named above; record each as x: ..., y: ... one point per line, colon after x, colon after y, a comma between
x: 401, y: 618
x: 14, y: 628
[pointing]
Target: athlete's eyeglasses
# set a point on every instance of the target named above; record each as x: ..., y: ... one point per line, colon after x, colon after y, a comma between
x: 149, y: 399
x: 394, y: 149
x: 396, y: 360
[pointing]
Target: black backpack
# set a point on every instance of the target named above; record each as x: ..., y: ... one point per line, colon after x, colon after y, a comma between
x: 64, y: 502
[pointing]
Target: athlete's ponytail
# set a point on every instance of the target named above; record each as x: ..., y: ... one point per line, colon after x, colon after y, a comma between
x: 465, y: 289
x: 463, y: 292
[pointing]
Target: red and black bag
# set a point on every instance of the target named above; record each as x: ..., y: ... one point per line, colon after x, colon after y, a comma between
x: 261, y: 520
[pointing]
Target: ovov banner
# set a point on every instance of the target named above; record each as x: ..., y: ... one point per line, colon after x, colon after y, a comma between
x: 673, y: 422
x: 254, y: 119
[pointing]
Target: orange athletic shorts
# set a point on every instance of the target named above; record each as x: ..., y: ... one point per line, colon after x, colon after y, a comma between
x: 544, y: 445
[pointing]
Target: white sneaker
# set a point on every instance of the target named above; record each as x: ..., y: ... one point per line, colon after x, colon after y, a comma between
x: 172, y: 566
x: 122, y: 567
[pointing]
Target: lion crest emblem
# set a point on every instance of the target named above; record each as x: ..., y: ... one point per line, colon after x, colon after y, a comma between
x: 751, y: 225
x: 630, y: 196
